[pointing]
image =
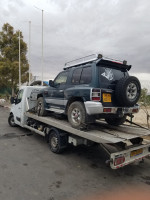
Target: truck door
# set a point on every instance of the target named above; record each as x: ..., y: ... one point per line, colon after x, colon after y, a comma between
x: 18, y: 107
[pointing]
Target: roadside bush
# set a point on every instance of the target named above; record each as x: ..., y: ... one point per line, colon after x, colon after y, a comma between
x: 145, y: 104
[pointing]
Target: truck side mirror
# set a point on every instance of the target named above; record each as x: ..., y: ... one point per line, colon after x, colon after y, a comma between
x: 51, y: 83
x: 12, y: 100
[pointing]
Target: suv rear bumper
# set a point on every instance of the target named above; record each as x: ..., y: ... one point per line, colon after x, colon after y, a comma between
x: 93, y: 108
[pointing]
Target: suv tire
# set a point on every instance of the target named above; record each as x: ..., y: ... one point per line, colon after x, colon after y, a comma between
x: 116, y: 121
x: 77, y: 115
x: 127, y: 91
x: 40, y: 107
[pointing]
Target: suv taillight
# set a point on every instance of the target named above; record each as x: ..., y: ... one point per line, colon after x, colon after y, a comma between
x: 135, y: 110
x: 96, y: 94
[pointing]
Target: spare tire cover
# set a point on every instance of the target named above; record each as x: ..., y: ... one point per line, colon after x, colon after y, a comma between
x: 127, y: 91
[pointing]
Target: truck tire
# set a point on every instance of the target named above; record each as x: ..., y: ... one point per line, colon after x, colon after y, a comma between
x: 55, y: 142
x: 11, y: 121
x: 77, y: 115
x: 116, y: 121
x: 41, y: 107
x: 127, y: 91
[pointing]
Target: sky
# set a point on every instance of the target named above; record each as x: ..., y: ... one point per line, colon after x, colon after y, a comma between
x: 76, y: 28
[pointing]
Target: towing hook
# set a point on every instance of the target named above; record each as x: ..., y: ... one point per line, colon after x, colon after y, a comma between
x: 107, y: 162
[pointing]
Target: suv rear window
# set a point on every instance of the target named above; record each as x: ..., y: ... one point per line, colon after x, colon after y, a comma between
x: 109, y: 76
x: 82, y: 75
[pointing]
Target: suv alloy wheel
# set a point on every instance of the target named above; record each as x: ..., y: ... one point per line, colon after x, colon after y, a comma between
x: 77, y: 115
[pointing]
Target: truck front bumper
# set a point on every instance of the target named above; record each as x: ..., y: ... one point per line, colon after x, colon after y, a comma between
x: 94, y: 108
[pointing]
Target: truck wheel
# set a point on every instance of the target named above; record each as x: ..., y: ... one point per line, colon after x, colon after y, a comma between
x: 77, y: 115
x: 11, y: 121
x: 40, y: 107
x: 116, y: 121
x: 55, y: 142
x: 128, y: 91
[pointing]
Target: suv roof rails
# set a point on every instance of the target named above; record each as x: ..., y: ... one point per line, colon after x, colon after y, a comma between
x: 88, y: 59
x: 83, y: 60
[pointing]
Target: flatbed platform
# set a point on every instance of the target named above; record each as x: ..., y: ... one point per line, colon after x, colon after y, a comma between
x: 99, y: 132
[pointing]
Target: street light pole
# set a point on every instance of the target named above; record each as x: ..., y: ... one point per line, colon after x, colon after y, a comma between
x: 19, y: 63
x: 42, y: 59
x: 29, y: 52
x: 42, y: 50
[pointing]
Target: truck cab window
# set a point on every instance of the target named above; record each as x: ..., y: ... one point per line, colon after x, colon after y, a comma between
x: 19, y: 96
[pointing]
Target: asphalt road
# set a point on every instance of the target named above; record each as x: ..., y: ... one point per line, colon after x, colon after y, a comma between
x: 30, y: 171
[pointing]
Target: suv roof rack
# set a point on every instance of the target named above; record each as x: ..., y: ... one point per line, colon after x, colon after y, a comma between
x: 90, y: 58
x: 82, y: 60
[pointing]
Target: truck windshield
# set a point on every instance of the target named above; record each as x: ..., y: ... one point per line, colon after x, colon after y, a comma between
x: 109, y: 76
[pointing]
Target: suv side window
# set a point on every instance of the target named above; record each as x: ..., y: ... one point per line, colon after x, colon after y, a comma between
x: 82, y: 76
x: 61, y: 78
x: 86, y: 76
x: 76, y: 76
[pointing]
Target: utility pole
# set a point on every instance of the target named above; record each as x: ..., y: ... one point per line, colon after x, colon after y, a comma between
x: 42, y: 50
x: 29, y: 52
x: 42, y: 57
x: 19, y: 63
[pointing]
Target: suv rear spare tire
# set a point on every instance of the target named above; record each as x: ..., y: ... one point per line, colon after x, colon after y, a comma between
x: 127, y: 91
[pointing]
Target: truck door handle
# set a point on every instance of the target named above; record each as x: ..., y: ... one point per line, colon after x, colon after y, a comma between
x: 60, y: 90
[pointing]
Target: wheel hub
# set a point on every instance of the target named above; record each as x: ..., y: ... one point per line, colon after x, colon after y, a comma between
x: 54, y: 142
x: 76, y: 115
x: 39, y: 107
x: 131, y: 91
x: 12, y: 120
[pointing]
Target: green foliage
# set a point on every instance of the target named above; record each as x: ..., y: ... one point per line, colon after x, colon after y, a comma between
x: 9, y: 58
x: 145, y: 98
x: 145, y: 103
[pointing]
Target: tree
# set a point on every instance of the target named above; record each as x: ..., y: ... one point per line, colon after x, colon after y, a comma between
x: 9, y: 58
x: 145, y: 102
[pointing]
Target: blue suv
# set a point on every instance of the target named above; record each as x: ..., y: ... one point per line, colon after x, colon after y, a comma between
x: 91, y: 88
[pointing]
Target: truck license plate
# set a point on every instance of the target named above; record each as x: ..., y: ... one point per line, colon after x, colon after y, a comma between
x: 106, y: 97
x: 136, y: 152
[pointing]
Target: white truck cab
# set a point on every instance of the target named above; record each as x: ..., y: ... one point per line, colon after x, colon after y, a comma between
x: 26, y: 100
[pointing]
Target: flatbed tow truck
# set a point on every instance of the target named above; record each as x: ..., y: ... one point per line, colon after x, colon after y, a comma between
x: 124, y: 144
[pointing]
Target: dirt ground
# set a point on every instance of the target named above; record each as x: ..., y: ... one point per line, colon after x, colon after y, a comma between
x: 141, y: 117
